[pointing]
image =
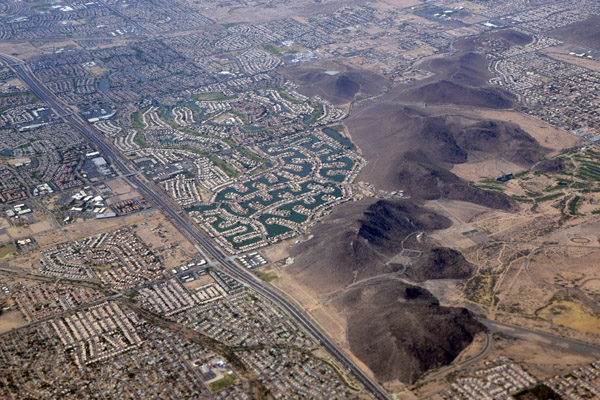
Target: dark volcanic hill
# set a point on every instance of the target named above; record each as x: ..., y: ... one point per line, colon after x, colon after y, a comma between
x: 459, y: 80
x: 398, y: 330
x: 512, y: 37
x: 584, y: 33
x: 441, y: 263
x: 448, y: 92
x: 550, y: 166
x: 356, y: 241
x: 412, y: 150
x: 493, y: 40
x: 414, y: 134
x: 411, y: 137
x: 336, y: 83
x: 401, y: 331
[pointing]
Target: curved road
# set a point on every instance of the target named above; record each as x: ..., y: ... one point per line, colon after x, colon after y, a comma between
x: 592, y: 303
x: 187, y: 227
x: 488, y: 346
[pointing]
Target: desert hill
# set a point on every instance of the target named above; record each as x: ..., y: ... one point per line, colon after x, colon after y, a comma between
x: 412, y: 136
x: 413, y: 150
x: 449, y: 92
x: 441, y: 263
x: 336, y: 82
x: 358, y: 239
x: 584, y: 33
x: 493, y: 40
x: 400, y: 331
x: 421, y: 132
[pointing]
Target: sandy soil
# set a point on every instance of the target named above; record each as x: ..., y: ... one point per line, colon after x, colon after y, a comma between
x: 49, y: 239
x: 24, y: 50
x: 4, y: 223
x: 41, y: 226
x: 566, y: 266
x: 160, y: 235
x: 199, y: 282
x: 258, y: 14
x: 333, y: 322
x: 11, y: 320
x: 484, y: 168
x: 544, y: 133
x: 279, y: 251
x: 87, y: 228
x: 4, y: 238
x: 561, y: 53
x: 120, y: 187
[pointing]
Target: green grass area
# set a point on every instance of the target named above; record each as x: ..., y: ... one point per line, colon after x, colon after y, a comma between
x: 492, y: 182
x: 228, y: 169
x: 259, y: 170
x: 137, y: 118
x: 243, y: 117
x: 210, y: 115
x: 549, y: 197
x: 14, y: 94
x: 573, y: 204
x: 284, y: 95
x: 318, y: 113
x: 469, y: 232
x: 490, y: 187
x: 271, y: 48
x: 195, y: 151
x: 553, y: 188
x: 40, y: 5
x: 532, y: 194
x: 196, y: 114
x: 522, y: 199
x: 592, y: 164
x: 223, y: 383
x: 249, y: 154
x: 162, y: 113
x: 213, y: 96
x: 7, y: 250
x: 265, y: 276
x: 566, y: 173
x: 521, y: 174
x: 140, y: 140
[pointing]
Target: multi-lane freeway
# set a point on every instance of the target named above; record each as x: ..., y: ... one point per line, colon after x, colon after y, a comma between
x: 187, y: 227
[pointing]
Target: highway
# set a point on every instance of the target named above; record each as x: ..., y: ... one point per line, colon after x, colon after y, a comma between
x: 543, y: 338
x: 187, y: 227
